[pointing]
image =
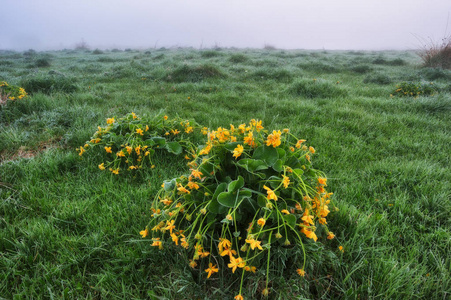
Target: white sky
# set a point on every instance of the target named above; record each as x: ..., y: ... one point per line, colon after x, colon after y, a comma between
x: 290, y: 24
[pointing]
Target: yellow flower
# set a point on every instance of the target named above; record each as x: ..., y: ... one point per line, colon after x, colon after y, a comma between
x: 250, y: 269
x: 311, y: 149
x: 144, y: 233
x: 192, y: 263
x: 134, y: 116
x: 170, y: 225
x: 101, y: 166
x: 285, y: 211
x: 228, y: 251
x: 271, y: 194
x: 229, y: 217
x: 341, y: 249
x: 115, y: 171
x: 183, y: 190
x: 285, y: 181
x: 309, y: 233
x: 129, y: 149
x: 265, y: 292
x: 139, y: 131
x: 196, y: 174
x: 158, y: 243
x: 301, y: 272
x: 81, y: 149
x: 254, y: 244
x: 298, y: 144
x: 273, y: 139
x: 330, y: 235
x: 165, y: 117
x: 261, y: 222
x: 236, y: 262
x: 249, y: 139
x: 108, y: 150
x: 120, y: 154
x: 193, y: 185
x: 175, y: 132
x: 322, y: 181
x: 189, y: 129
x: 110, y: 120
x: 211, y: 269
x: 175, y: 238
x: 237, y: 151
x: 238, y: 297
x: 224, y: 243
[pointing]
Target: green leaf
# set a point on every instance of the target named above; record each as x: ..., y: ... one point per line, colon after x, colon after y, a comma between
x: 206, y: 169
x: 252, y: 165
x: 236, y: 184
x: 158, y: 140
x: 213, y: 207
x: 231, y: 146
x: 299, y: 172
x: 174, y: 147
x: 266, y: 153
x: 281, y: 153
x: 227, y: 199
x: 219, y: 189
x: 249, y: 204
x: 169, y: 185
x: 291, y: 220
x: 278, y: 166
x: 261, y: 201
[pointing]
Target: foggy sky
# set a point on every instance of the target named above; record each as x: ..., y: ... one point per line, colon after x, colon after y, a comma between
x: 288, y: 24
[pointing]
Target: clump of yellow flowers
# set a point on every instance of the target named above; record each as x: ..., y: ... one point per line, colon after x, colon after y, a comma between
x: 246, y: 191
x: 10, y: 92
x: 128, y: 143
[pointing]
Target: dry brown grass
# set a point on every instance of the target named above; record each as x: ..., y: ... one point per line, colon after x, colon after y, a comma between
x: 437, y: 55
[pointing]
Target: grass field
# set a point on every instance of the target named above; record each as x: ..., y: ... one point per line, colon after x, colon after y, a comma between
x: 69, y: 231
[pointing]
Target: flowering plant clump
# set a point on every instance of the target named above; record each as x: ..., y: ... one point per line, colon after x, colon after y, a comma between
x: 10, y: 92
x: 410, y: 89
x: 247, y: 190
x: 130, y: 142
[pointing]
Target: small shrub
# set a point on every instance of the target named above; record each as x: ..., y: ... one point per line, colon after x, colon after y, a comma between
x: 49, y: 84
x: 269, y: 47
x: 411, y: 89
x: 380, y: 79
x: 42, y: 63
x: 273, y: 74
x: 437, y: 55
x: 82, y: 46
x: 128, y: 144
x: 435, y: 74
x: 115, y: 50
x: 238, y: 58
x: 97, y: 51
x: 210, y: 53
x: 105, y: 59
x: 10, y: 92
x: 316, y: 89
x: 397, y: 62
x: 187, y: 73
x: 361, y: 69
x: 319, y: 67
x: 30, y: 53
x: 249, y: 193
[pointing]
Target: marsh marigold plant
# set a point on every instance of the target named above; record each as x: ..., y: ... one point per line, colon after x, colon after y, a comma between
x: 246, y: 191
x: 10, y: 92
x: 127, y: 144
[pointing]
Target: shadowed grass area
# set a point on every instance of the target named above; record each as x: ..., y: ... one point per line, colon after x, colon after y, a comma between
x: 68, y: 230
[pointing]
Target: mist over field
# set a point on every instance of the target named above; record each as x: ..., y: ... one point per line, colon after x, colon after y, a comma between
x: 351, y: 24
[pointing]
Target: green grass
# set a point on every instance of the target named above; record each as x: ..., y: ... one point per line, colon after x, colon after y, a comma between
x: 68, y: 230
